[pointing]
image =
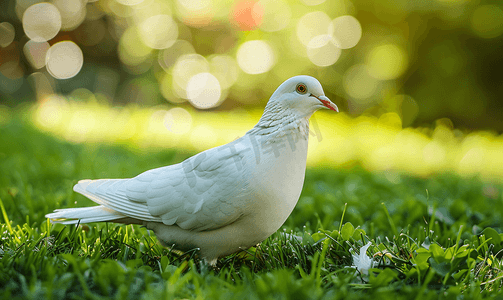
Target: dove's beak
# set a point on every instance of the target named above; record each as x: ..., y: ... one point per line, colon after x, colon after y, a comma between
x: 327, y: 103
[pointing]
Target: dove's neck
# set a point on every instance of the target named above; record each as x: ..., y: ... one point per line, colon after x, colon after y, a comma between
x: 278, y: 122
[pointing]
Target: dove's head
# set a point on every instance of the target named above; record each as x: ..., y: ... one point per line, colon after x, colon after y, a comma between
x: 302, y: 94
x: 294, y: 100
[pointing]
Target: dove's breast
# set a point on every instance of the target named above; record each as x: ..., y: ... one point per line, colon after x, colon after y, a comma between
x: 278, y: 175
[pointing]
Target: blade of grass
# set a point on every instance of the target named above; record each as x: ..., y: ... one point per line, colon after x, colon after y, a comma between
x: 342, y: 218
x: 5, y: 217
x: 390, y: 220
x: 7, y: 221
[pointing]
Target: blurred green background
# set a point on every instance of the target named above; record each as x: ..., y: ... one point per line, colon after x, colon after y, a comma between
x: 418, y: 83
x: 422, y: 60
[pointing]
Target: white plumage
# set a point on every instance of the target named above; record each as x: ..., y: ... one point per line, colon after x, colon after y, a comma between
x: 223, y: 199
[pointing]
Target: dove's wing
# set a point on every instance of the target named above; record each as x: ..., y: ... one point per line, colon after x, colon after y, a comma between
x: 205, y: 192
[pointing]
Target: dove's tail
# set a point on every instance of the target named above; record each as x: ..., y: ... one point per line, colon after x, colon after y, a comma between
x: 114, y: 205
x: 84, y: 215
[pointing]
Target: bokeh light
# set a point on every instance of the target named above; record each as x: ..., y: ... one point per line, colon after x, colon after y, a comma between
x: 166, y: 83
x: 203, y: 90
x: 311, y: 25
x: 255, y: 57
x: 120, y: 10
x: 73, y: 13
x: 247, y: 14
x: 11, y: 70
x: 387, y: 61
x: 225, y: 69
x: 129, y: 2
x: 322, y: 51
x: 195, y: 5
x: 277, y: 15
x: 487, y: 21
x: 196, y: 13
x: 7, y: 34
x: 64, y: 60
x: 94, y: 11
x: 346, y: 31
x: 51, y: 111
x: 313, y: 2
x: 359, y: 84
x: 132, y: 50
x: 36, y: 53
x: 41, y: 22
x: 343, y: 8
x: 178, y: 120
x: 185, y: 68
x: 42, y: 85
x: 168, y: 57
x: 159, y: 32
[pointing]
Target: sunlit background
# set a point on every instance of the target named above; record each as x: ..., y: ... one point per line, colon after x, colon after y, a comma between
x: 419, y: 83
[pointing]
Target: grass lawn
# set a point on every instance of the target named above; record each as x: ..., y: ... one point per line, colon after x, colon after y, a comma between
x: 434, y: 237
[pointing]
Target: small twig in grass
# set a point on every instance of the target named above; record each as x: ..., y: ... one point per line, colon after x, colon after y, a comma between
x: 492, y: 280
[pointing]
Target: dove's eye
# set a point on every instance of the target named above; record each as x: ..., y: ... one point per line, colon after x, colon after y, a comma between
x: 301, y: 88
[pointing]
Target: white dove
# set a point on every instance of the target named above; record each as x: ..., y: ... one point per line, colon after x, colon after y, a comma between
x: 223, y: 199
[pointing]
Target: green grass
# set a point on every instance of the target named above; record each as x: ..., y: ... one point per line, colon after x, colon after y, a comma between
x: 436, y: 237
